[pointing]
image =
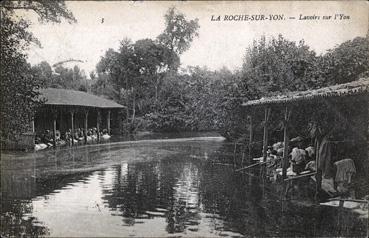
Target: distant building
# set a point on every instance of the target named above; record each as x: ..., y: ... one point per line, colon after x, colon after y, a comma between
x: 65, y: 110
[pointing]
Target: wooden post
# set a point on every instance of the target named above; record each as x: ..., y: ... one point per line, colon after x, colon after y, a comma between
x: 55, y: 115
x: 120, y: 121
x: 108, y: 122
x: 86, y: 125
x: 319, y: 172
x: 61, y: 128
x: 98, y: 124
x: 234, y: 154
x: 287, y: 114
x: 33, y: 125
x: 251, y: 136
x: 72, y: 125
x: 265, y: 137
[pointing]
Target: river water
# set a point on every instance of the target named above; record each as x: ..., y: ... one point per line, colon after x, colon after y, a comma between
x: 161, y: 188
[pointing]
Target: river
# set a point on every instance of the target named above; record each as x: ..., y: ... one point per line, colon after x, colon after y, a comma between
x: 164, y: 188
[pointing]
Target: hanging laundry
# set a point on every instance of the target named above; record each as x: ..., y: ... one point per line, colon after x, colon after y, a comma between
x: 311, y: 165
x: 324, y: 157
x: 310, y: 151
x: 345, y: 170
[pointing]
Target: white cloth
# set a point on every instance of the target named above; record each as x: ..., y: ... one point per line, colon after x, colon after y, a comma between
x: 345, y: 170
x: 310, y: 151
x: 298, y: 155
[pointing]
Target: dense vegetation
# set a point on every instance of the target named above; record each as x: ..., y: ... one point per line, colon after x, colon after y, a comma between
x: 146, y: 76
x: 198, y: 99
x: 18, y: 85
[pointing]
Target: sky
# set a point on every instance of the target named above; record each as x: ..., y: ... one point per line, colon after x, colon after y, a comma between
x: 102, y: 25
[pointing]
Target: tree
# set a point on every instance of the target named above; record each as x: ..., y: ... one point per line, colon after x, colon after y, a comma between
x: 231, y: 90
x: 179, y: 32
x: 48, y: 11
x: 18, y: 86
x: 154, y: 60
x: 136, y: 68
x: 347, y: 62
x: 68, y: 78
x: 192, y: 101
x: 171, y: 114
x: 279, y: 65
x: 44, y: 73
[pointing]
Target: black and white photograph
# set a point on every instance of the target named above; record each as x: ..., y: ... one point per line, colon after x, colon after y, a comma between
x: 184, y: 118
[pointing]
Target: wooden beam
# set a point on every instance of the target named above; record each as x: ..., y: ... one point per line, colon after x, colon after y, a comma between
x: 61, y: 128
x: 251, y: 135
x: 86, y: 125
x: 265, y: 137
x: 108, y: 122
x: 299, y: 176
x: 221, y: 164
x: 250, y: 166
x: 33, y: 125
x: 348, y: 200
x: 120, y: 120
x: 72, y: 125
x: 286, y: 140
x: 98, y: 124
x: 55, y: 115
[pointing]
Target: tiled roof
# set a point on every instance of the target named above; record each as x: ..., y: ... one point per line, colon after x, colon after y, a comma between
x: 66, y: 97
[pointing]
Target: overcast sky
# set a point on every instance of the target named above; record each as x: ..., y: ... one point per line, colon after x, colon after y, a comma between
x: 219, y: 43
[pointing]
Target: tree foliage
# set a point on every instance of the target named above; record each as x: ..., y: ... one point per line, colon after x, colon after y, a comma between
x: 279, y: 65
x: 18, y: 86
x: 138, y: 70
x: 179, y: 32
x: 61, y: 77
x: 136, y: 67
x: 198, y: 99
x: 347, y: 62
x: 47, y: 11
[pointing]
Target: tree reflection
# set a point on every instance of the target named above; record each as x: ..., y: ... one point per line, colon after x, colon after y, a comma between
x: 15, y: 223
x: 18, y: 187
x: 184, y: 189
x: 161, y: 188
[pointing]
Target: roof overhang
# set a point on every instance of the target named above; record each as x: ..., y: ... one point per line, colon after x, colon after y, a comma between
x: 66, y: 97
x: 360, y: 86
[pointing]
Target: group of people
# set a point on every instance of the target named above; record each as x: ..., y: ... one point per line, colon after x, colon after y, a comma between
x: 46, y: 139
x: 301, y: 158
x: 337, y: 172
x: 79, y: 135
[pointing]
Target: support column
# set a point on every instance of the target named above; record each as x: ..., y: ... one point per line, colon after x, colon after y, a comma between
x: 318, y: 187
x: 251, y: 136
x: 108, y: 122
x: 55, y: 115
x: 72, y: 125
x: 61, y: 127
x: 265, y: 137
x: 98, y: 124
x: 120, y: 121
x: 286, y: 139
x: 33, y: 125
x: 86, y: 125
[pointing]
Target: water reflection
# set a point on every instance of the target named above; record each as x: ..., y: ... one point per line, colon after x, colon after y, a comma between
x: 156, y: 190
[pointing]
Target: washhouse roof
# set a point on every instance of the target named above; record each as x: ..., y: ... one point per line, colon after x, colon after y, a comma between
x: 351, y: 88
x: 66, y: 97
